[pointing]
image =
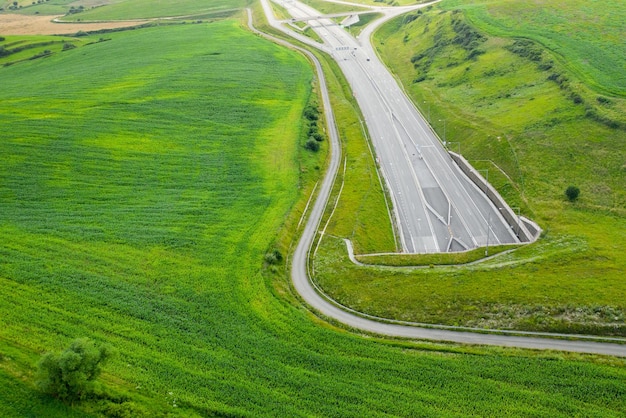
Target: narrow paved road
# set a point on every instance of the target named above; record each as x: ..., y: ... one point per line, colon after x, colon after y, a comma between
x: 302, y: 284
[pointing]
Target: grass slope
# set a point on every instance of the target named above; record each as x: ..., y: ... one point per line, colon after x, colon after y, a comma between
x: 585, y: 36
x: 143, y: 179
x: 535, y: 134
x: 15, y: 49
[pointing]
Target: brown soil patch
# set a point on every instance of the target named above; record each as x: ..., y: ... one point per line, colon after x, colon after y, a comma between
x: 14, y: 24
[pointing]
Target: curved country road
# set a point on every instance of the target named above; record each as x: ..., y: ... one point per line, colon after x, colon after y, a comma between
x: 302, y: 284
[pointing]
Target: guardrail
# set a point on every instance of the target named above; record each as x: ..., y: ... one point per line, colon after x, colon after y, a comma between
x: 525, y: 229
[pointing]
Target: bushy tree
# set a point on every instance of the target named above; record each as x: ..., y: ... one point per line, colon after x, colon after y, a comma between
x: 317, y: 136
x: 311, y: 113
x: 70, y: 375
x: 572, y: 193
x: 312, y: 145
x: 274, y: 257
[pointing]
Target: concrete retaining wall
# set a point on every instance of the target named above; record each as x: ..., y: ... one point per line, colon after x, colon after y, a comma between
x: 526, y: 230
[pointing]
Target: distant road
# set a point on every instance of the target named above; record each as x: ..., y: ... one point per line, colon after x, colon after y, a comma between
x: 300, y: 278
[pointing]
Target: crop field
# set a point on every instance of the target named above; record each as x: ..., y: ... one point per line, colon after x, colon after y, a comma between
x: 141, y: 184
x: 50, y: 7
x: 143, y: 9
x: 533, y: 135
x: 14, y: 49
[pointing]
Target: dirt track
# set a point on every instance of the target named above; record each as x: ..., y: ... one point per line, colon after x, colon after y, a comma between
x: 14, y: 24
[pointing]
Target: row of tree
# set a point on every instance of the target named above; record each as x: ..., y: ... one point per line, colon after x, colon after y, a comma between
x: 311, y: 115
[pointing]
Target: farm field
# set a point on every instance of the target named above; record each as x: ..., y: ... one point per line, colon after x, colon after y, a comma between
x: 142, y: 9
x: 142, y: 184
x: 14, y: 49
x: 534, y: 133
x: 15, y: 24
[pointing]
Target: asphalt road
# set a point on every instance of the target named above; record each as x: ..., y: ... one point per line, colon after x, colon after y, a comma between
x: 436, y: 207
x: 328, y: 309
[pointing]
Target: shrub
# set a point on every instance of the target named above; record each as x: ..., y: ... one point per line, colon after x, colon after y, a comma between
x: 526, y: 48
x: 572, y: 193
x: 312, y: 145
x: 311, y: 113
x: 273, y: 257
x: 69, y: 375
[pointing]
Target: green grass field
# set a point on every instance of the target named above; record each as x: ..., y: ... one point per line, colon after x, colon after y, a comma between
x: 142, y: 182
x: 506, y: 114
x: 144, y: 9
x: 14, y: 49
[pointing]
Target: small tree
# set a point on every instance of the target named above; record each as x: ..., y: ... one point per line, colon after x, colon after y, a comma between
x: 572, y: 193
x: 70, y: 375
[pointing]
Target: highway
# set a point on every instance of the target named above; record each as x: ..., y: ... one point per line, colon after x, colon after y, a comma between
x: 436, y: 207
x: 329, y: 309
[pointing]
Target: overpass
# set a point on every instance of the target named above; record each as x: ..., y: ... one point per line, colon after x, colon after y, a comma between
x: 328, y: 16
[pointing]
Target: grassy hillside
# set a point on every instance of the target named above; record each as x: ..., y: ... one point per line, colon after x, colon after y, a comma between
x: 517, y: 113
x: 584, y: 36
x: 14, y: 49
x: 143, y: 180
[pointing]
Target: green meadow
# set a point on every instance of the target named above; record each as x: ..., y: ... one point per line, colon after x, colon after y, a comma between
x: 143, y: 180
x: 531, y: 119
x: 14, y: 49
x: 130, y: 9
x: 586, y: 37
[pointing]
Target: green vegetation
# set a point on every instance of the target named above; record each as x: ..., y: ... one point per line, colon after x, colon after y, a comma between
x: 143, y: 187
x: 509, y: 115
x: 144, y: 9
x: 329, y: 7
x: 585, y: 37
x: 572, y: 193
x: 279, y: 11
x: 19, y: 399
x: 43, y: 7
x: 14, y: 49
x: 431, y: 260
x: 503, y: 292
x: 70, y: 375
